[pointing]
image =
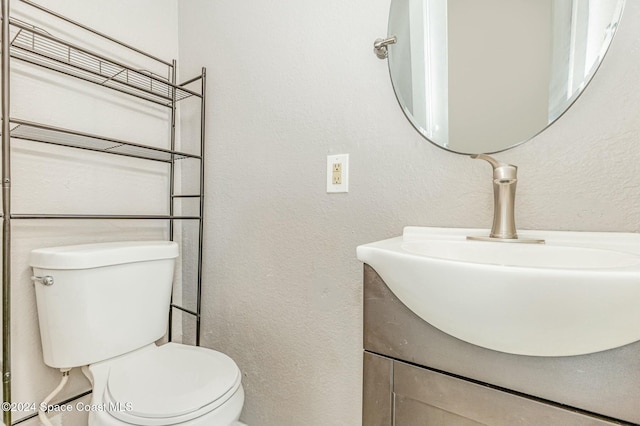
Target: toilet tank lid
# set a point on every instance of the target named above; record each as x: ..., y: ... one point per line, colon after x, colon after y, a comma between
x: 85, y: 256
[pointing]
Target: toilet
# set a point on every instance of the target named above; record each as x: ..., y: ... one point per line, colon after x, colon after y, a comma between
x: 102, y: 307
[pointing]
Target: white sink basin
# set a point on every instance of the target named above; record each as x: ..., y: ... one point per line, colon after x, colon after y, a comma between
x: 579, y: 293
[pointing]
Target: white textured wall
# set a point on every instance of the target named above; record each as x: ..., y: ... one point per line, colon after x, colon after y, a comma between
x: 292, y: 81
x: 58, y: 180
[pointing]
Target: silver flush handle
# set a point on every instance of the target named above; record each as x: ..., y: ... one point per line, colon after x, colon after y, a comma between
x: 46, y: 280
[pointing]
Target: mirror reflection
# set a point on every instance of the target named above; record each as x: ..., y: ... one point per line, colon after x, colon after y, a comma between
x: 481, y: 76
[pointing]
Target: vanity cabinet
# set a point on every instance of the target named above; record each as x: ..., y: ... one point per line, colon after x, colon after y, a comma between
x: 416, y: 375
x: 397, y: 393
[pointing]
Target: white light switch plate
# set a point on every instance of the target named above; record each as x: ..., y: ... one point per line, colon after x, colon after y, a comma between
x: 338, y: 172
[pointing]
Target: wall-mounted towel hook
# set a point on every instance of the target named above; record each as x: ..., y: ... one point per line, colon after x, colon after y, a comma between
x: 380, y: 46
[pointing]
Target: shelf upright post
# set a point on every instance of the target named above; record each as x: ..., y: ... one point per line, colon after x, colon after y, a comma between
x: 6, y: 210
x: 203, y: 103
x: 173, y: 145
x: 172, y: 175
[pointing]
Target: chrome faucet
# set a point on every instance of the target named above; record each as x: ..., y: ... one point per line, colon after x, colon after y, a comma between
x: 504, y: 196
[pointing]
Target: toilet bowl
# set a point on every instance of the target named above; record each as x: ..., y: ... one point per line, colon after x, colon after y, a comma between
x: 166, y: 385
x: 102, y: 307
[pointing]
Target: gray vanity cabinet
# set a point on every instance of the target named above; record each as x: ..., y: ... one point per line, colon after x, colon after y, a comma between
x: 400, y: 394
x: 415, y: 375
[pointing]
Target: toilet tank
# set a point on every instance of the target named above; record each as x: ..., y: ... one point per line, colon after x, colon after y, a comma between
x: 106, y: 299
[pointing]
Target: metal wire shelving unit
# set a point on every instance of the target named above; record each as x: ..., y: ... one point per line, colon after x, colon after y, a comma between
x: 27, y: 43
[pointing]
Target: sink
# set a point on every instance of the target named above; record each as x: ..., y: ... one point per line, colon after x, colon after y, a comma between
x: 576, y: 294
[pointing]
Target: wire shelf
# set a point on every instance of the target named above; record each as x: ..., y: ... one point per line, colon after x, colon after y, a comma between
x: 63, y: 137
x: 33, y: 45
x: 102, y: 216
x: 26, y: 43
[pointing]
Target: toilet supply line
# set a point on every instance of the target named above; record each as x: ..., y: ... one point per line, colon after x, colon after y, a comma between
x: 44, y: 404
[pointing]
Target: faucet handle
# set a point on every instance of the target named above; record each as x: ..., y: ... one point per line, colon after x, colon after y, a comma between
x: 502, y: 172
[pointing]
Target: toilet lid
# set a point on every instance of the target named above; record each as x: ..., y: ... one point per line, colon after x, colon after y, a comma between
x: 172, y: 381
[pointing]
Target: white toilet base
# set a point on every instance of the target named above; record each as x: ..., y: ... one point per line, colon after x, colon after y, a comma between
x: 225, y: 415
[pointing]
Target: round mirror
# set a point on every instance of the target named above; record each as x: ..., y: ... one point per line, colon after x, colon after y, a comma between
x: 481, y: 76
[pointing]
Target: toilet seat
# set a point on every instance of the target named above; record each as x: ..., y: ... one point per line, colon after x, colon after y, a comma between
x: 171, y: 384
